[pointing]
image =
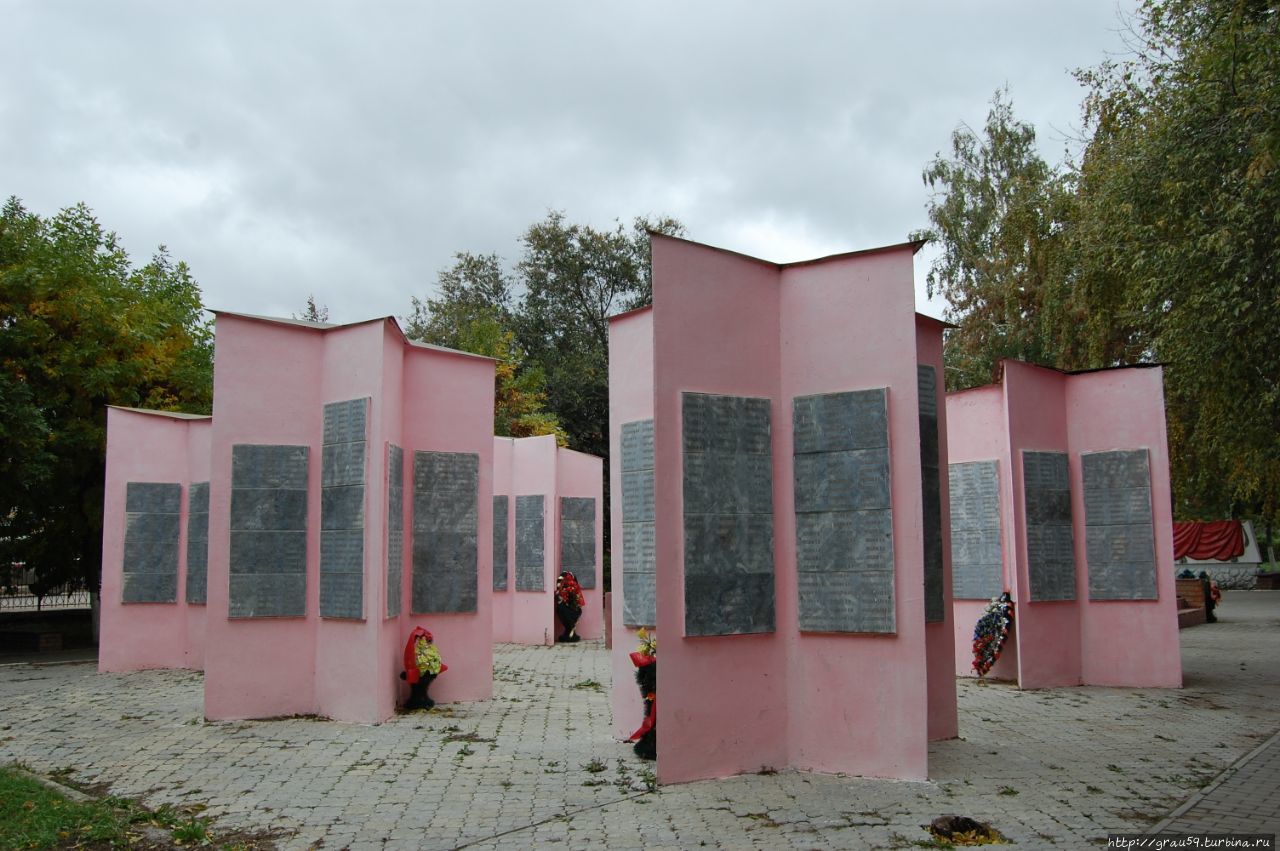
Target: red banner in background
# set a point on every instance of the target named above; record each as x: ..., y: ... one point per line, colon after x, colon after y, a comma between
x: 1216, y: 539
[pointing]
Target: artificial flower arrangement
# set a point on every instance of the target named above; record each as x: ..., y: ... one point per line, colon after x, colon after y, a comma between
x: 645, y: 658
x: 422, y: 664
x: 991, y: 632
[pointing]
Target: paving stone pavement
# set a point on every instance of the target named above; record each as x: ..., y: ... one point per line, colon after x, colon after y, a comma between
x: 536, y: 766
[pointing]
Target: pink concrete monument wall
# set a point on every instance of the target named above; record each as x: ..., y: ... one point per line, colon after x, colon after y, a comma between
x: 533, y: 477
x: 387, y: 446
x: 153, y: 547
x: 346, y: 478
x: 1071, y: 472
x: 789, y: 546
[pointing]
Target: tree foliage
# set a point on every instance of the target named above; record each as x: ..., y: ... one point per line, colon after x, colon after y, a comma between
x: 1162, y: 243
x: 1180, y: 187
x: 999, y: 214
x: 554, y: 303
x: 313, y: 312
x: 80, y: 329
x: 471, y: 314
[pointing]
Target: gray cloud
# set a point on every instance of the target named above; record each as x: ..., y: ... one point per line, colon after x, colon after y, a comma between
x: 289, y: 149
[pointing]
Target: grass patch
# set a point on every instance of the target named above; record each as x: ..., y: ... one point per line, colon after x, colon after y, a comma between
x: 34, y: 816
x: 588, y: 685
x: 595, y: 766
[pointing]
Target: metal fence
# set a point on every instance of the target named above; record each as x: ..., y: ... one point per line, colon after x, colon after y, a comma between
x: 17, y: 594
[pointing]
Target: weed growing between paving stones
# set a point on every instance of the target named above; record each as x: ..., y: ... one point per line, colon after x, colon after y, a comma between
x: 588, y: 685
x: 595, y: 766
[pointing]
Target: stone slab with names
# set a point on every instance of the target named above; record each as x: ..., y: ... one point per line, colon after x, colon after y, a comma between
x: 578, y: 538
x: 531, y: 562
x: 268, y: 561
x: 1119, y: 536
x: 728, y: 515
x: 152, y: 528
x: 639, y: 589
x: 395, y: 528
x: 198, y: 543
x: 342, y: 490
x: 501, y: 552
x: 844, y: 515
x: 976, y: 558
x: 445, y: 556
x: 1050, y: 546
x: 931, y: 488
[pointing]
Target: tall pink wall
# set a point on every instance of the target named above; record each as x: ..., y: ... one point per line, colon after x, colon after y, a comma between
x: 1112, y: 642
x: 630, y: 399
x: 271, y: 381
x: 347, y: 685
x: 723, y: 323
x: 581, y: 475
x: 849, y: 324
x: 944, y: 722
x: 534, y: 473
x: 716, y: 329
x: 530, y: 466
x: 1048, y: 631
x: 266, y: 389
x: 977, y: 431
x: 448, y: 407
x: 503, y: 452
x: 1129, y: 642
x: 149, y: 446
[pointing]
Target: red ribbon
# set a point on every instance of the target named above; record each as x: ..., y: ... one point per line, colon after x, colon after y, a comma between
x: 649, y: 720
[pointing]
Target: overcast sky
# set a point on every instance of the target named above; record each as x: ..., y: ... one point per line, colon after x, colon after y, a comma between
x: 349, y: 150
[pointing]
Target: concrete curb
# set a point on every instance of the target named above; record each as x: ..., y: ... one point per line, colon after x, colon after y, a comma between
x: 1227, y: 774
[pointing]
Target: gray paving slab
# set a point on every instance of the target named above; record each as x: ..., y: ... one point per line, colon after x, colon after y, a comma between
x: 1054, y: 768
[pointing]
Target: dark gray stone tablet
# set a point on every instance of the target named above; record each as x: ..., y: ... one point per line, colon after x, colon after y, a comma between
x: 1050, y: 547
x: 198, y: 543
x: 268, y: 561
x: 1119, y: 536
x: 844, y: 514
x: 976, y: 572
x: 501, y: 552
x: 728, y: 515
x: 445, y: 529
x: 151, y: 532
x: 639, y: 588
x: 395, y: 528
x: 578, y: 538
x: 342, y: 491
x: 931, y: 488
x: 531, y: 562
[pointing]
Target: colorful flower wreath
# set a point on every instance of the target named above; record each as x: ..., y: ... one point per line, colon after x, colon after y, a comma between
x: 990, y: 633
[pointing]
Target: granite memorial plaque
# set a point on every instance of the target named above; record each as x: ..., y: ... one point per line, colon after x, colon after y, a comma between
x: 445, y: 529
x: 931, y: 488
x: 1119, y: 536
x: 198, y: 543
x: 578, y: 538
x: 531, y: 562
x: 151, y: 531
x: 501, y: 516
x: 728, y: 515
x: 639, y: 591
x: 1050, y: 547
x: 342, y: 467
x: 976, y: 572
x: 844, y: 515
x: 395, y: 528
x: 268, y: 562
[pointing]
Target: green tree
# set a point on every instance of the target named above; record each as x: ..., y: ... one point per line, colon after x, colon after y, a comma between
x: 1000, y: 217
x: 1180, y: 212
x: 80, y: 329
x: 572, y: 278
x: 313, y: 312
x: 469, y: 315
